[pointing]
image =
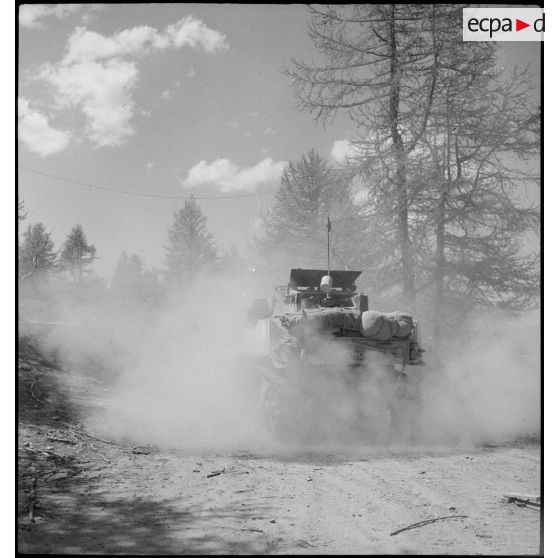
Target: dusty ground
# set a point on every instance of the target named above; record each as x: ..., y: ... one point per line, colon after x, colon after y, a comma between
x: 79, y: 493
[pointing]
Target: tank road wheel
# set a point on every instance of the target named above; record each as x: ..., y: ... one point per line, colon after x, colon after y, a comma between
x: 404, y: 409
x: 277, y: 403
x: 289, y: 411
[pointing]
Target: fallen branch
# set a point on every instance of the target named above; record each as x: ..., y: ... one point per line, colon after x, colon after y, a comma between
x: 62, y: 440
x: 253, y: 530
x: 93, y: 437
x: 215, y: 473
x: 138, y: 451
x: 427, y: 522
x: 531, y: 499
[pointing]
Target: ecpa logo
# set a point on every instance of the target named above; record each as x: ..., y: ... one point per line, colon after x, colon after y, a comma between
x: 503, y: 24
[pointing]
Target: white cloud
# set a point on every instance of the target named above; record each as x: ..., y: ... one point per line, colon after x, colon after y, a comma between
x: 270, y: 131
x: 99, y: 74
x: 85, y: 45
x: 166, y: 94
x: 32, y: 15
x: 136, y: 41
x: 193, y: 32
x: 191, y: 72
x: 103, y: 92
x: 229, y: 176
x: 35, y: 131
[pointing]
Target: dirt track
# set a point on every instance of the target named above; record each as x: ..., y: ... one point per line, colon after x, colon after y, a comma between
x: 119, y: 498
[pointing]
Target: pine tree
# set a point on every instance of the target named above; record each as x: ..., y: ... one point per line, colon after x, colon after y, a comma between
x: 191, y: 247
x: 77, y: 256
x: 132, y: 283
x: 294, y: 229
x: 36, y: 255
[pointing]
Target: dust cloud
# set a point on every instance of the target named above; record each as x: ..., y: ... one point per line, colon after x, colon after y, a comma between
x: 193, y: 374
x: 486, y: 384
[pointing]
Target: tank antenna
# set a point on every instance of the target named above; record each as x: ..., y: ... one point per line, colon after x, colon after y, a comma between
x: 328, y: 231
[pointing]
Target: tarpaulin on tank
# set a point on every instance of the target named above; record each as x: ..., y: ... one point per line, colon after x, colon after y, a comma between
x: 320, y: 319
x: 382, y: 326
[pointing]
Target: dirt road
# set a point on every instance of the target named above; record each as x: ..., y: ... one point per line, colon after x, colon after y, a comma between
x: 81, y: 494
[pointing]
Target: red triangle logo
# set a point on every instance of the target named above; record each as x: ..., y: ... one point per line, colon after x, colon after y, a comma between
x: 519, y: 25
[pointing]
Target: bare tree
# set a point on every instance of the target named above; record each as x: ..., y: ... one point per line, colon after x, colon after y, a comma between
x: 444, y: 142
x: 380, y: 64
x: 482, y: 150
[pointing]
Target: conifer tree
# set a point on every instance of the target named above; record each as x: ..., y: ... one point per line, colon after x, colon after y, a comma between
x: 37, y: 257
x: 293, y: 230
x: 77, y: 256
x: 191, y: 247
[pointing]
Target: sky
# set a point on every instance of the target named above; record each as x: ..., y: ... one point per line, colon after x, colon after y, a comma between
x: 168, y: 100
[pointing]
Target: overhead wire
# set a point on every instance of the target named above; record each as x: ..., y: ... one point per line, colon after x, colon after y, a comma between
x: 141, y: 194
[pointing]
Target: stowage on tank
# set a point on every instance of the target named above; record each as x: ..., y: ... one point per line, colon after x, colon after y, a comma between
x: 320, y: 310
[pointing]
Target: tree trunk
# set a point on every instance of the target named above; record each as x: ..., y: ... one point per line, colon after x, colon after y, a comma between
x: 440, y: 265
x: 409, y: 291
x: 439, y: 272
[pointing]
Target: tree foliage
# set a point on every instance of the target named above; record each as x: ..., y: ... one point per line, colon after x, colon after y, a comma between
x: 293, y: 230
x: 481, y: 149
x: 380, y: 67
x: 37, y: 257
x: 445, y: 142
x: 21, y: 215
x: 77, y: 255
x: 132, y: 283
x: 191, y: 247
